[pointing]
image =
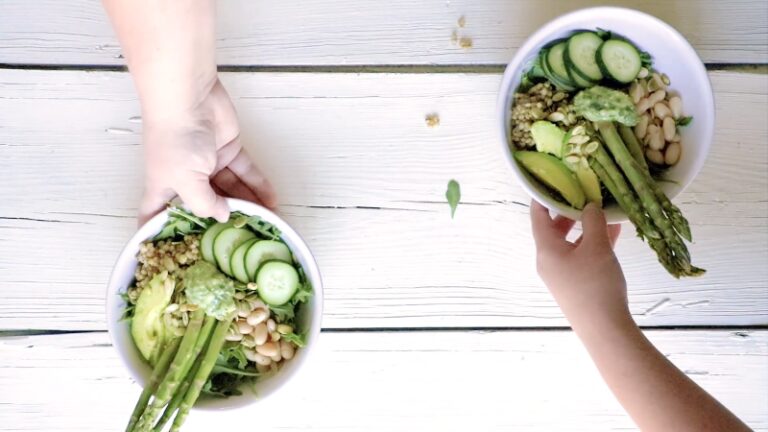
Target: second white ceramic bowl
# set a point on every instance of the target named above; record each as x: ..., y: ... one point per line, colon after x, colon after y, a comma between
x: 309, y: 316
x: 672, y: 55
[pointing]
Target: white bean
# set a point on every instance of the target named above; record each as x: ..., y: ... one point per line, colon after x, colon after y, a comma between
x: 636, y: 92
x: 642, y: 126
x: 643, y: 106
x: 669, y: 128
x: 287, y: 350
x: 257, y: 358
x: 657, y: 140
x: 275, y: 336
x: 244, y: 328
x: 672, y: 154
x: 260, y: 334
x: 661, y: 110
x: 676, y: 106
x: 277, y: 357
x: 257, y: 317
x: 268, y: 349
x: 234, y: 337
x: 271, y: 325
x: 657, y: 96
x: 655, y: 156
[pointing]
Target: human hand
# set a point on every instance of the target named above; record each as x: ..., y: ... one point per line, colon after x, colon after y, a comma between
x: 584, y: 276
x: 196, y: 154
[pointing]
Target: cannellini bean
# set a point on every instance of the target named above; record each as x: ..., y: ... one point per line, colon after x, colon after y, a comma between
x: 655, y: 156
x: 642, y: 126
x: 672, y: 154
x: 277, y: 357
x: 657, y: 96
x: 234, y: 336
x: 271, y: 325
x: 669, y: 128
x: 257, y: 358
x: 287, y: 350
x: 268, y: 349
x: 257, y: 317
x: 657, y: 140
x: 275, y: 336
x: 243, y: 327
x: 643, y: 105
x: 284, y: 329
x: 260, y: 334
x: 658, y: 82
x: 661, y: 110
x: 636, y: 92
x: 676, y: 106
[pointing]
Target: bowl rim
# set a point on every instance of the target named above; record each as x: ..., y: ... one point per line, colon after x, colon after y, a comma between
x: 549, y: 31
x: 297, y: 246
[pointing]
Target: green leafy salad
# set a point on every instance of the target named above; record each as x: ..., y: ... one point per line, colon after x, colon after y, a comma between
x: 593, y: 121
x: 212, y: 310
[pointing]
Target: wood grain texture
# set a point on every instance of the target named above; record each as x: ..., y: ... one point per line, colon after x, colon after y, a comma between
x: 362, y: 178
x: 430, y: 381
x: 370, y: 32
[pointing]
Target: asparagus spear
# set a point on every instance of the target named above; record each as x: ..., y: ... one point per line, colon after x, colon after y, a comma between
x: 173, y: 405
x: 678, y: 220
x: 648, y: 199
x: 157, y: 374
x: 658, y: 245
x: 634, y: 210
x: 206, y: 365
x: 194, y: 338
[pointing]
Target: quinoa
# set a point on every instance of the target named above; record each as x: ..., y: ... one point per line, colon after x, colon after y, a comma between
x: 540, y: 102
x: 167, y: 256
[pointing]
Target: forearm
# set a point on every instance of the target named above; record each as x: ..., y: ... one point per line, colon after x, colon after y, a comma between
x: 657, y: 395
x: 170, y: 49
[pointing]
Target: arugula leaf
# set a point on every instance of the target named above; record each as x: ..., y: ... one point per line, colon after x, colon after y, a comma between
x: 232, y: 356
x: 300, y: 340
x: 129, y: 307
x: 684, y: 121
x: 453, y: 195
x: 259, y: 225
x: 284, y: 312
x: 603, y: 34
x: 180, y: 223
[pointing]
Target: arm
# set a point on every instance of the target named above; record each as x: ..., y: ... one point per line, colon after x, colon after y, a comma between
x: 587, y: 282
x: 190, y: 127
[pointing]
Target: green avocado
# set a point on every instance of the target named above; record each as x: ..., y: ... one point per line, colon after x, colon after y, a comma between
x: 553, y: 172
x: 590, y: 184
x: 147, y: 327
x: 604, y: 104
x: 548, y: 138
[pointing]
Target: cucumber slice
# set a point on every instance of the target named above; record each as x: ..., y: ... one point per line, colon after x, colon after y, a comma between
x: 277, y: 282
x: 225, y: 244
x: 619, y: 60
x: 556, y: 64
x: 263, y: 251
x: 550, y: 75
x: 579, y: 80
x: 237, y: 262
x: 206, y: 242
x: 581, y: 53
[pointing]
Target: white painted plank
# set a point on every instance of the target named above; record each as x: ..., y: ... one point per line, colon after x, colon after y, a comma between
x: 335, y: 32
x: 362, y: 178
x: 441, y: 381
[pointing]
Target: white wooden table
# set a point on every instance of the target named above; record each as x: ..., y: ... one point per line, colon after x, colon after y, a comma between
x: 431, y: 323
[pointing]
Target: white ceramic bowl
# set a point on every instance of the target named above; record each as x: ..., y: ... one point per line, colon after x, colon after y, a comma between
x: 309, y: 316
x: 672, y: 55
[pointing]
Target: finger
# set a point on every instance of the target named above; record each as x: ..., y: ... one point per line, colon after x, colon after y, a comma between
x: 254, y: 179
x: 541, y: 225
x: 153, y: 202
x: 594, y: 226
x: 232, y: 186
x: 226, y: 154
x: 199, y: 196
x: 613, y: 234
x: 563, y: 225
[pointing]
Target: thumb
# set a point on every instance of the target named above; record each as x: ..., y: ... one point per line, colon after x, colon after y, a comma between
x: 594, y: 226
x: 197, y: 194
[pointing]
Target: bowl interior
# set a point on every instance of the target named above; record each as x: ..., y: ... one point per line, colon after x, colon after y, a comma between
x: 308, y: 317
x: 672, y: 55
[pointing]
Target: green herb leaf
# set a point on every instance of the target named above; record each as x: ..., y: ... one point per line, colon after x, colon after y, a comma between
x: 284, y: 313
x: 300, y: 340
x: 684, y: 121
x: 603, y: 34
x: 453, y: 195
x: 258, y: 225
x: 180, y: 223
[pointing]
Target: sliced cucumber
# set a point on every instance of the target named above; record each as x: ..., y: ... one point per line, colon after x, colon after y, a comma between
x: 206, y: 242
x: 225, y: 244
x: 277, y: 281
x: 619, y: 60
x: 556, y: 63
x: 580, y: 56
x: 579, y: 80
x: 263, y: 251
x: 237, y: 262
x: 550, y: 75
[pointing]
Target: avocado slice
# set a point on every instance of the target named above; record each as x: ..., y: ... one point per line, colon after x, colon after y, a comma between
x: 548, y: 138
x: 553, y: 172
x: 147, y: 327
x: 590, y: 184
